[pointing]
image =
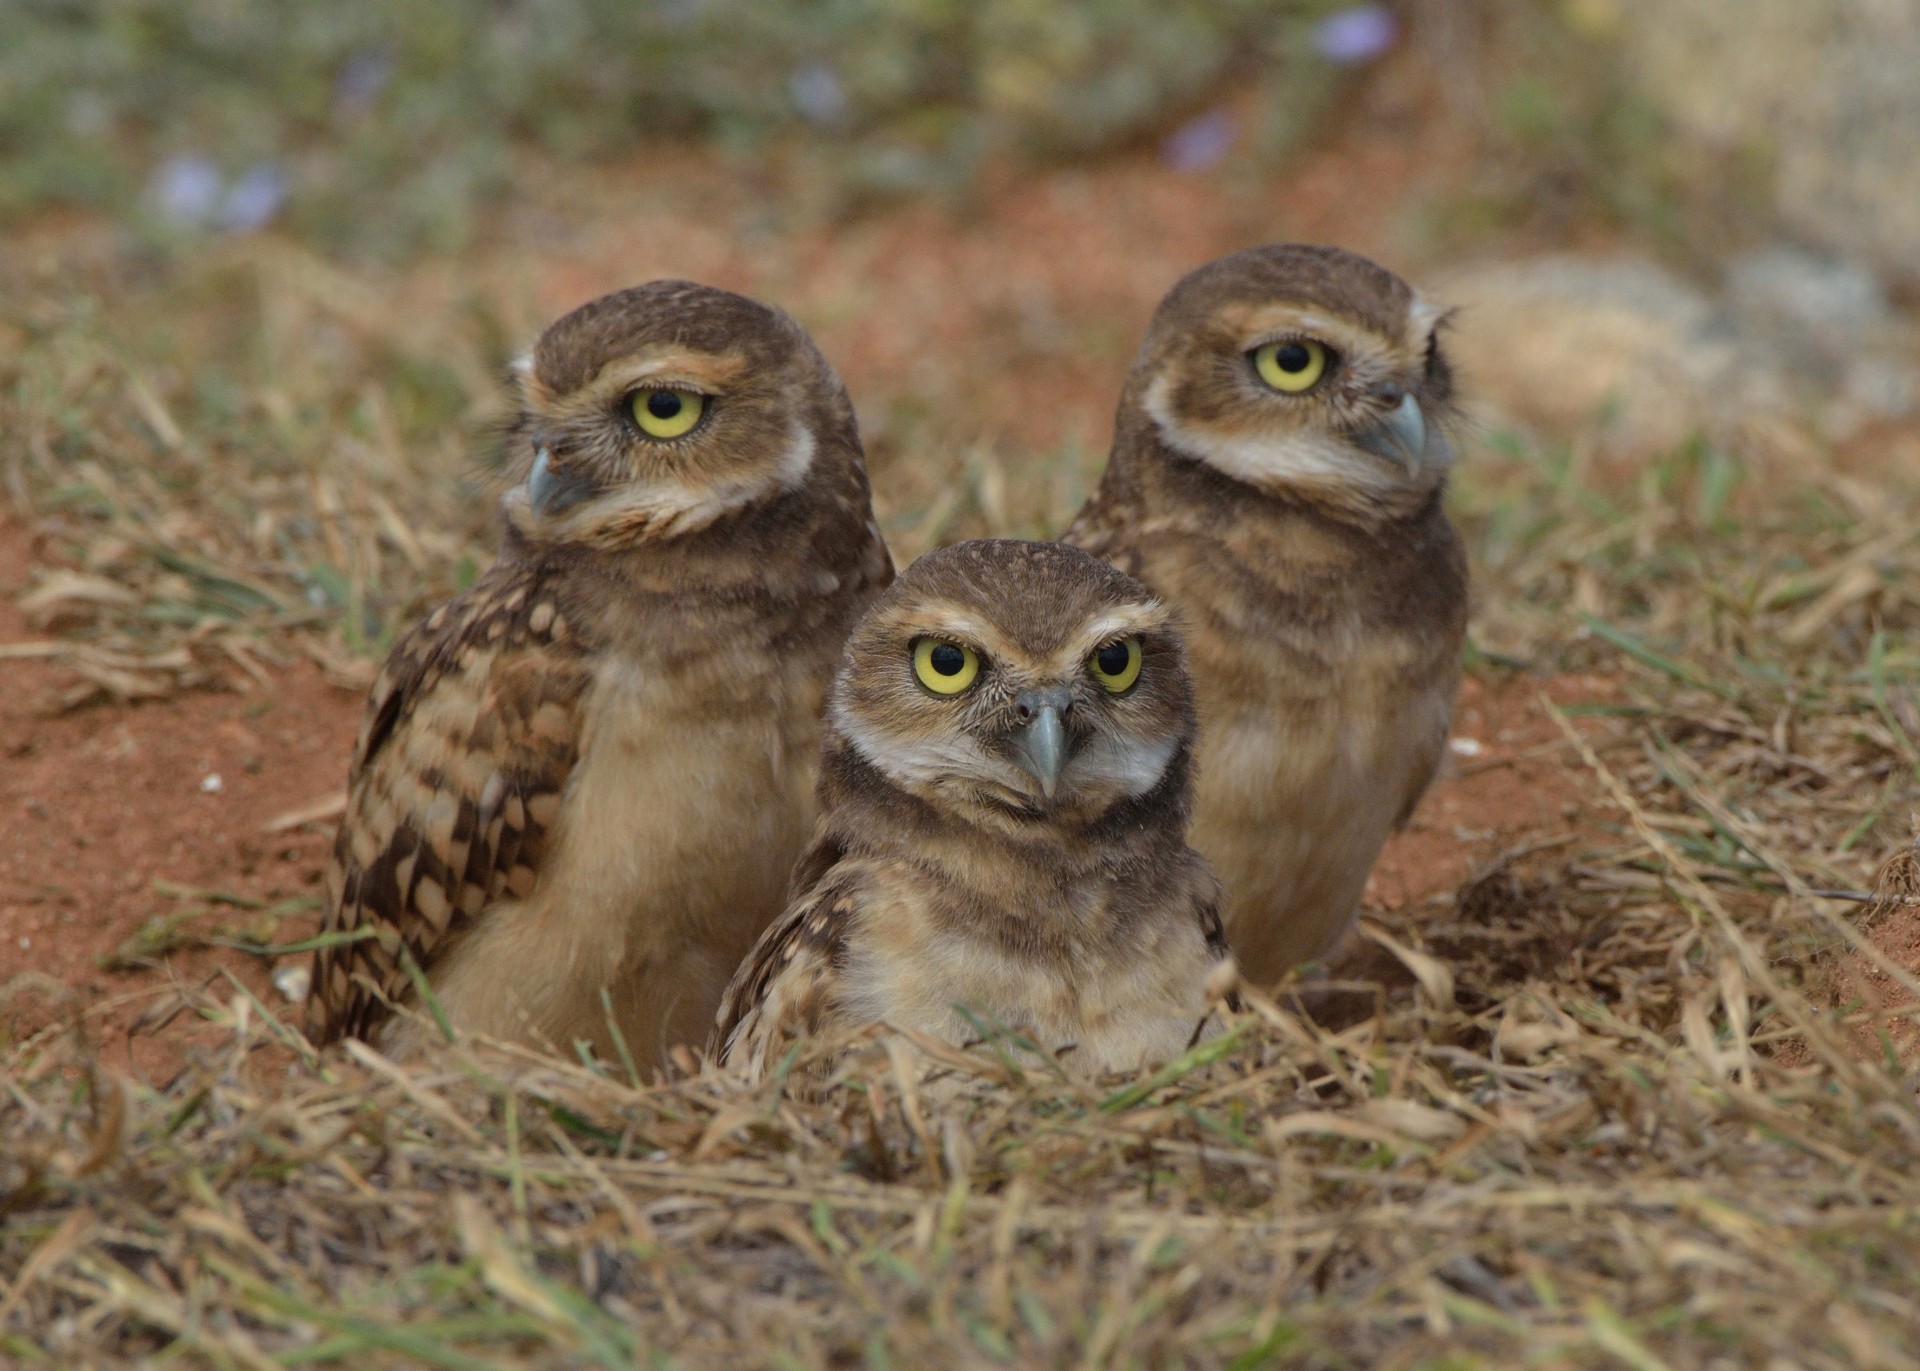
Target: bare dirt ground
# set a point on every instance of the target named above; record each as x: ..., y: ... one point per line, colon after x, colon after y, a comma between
x: 113, y: 818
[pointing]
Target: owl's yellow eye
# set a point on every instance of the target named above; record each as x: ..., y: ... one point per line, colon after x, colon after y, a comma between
x: 944, y: 668
x: 1117, y: 665
x: 1293, y: 365
x: 667, y: 413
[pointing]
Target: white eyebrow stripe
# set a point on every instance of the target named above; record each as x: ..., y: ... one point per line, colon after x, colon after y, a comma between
x: 952, y: 619
x: 1139, y: 619
x: 1123, y: 623
x: 1320, y: 325
x: 625, y: 371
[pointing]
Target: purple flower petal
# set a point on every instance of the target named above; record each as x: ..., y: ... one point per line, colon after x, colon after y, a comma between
x: 361, y: 80
x: 254, y: 199
x: 818, y: 95
x: 186, y: 189
x: 1199, y: 143
x: 1356, y: 34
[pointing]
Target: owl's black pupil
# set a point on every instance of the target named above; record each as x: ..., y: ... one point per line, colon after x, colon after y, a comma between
x: 664, y: 404
x: 1293, y: 357
x: 947, y: 659
x: 1113, y: 658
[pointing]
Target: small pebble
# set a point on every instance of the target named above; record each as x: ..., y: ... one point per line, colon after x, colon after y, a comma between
x: 1466, y: 747
x: 210, y: 783
x: 293, y: 980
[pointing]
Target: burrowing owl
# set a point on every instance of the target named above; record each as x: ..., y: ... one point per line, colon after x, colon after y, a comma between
x: 1278, y: 464
x: 1004, y: 800
x: 580, y: 786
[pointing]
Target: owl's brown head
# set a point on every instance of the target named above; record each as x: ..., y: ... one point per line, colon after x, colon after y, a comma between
x: 1006, y: 682
x: 1303, y: 372
x: 661, y: 410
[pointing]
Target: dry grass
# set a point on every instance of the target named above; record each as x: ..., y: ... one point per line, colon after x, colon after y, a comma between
x: 1578, y: 1147
x: 1620, y: 1121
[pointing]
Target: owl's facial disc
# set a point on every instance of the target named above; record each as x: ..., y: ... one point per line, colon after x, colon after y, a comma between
x: 1008, y: 724
x: 655, y: 413
x: 1300, y: 398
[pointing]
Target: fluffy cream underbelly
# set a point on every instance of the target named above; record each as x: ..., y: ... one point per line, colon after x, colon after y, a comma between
x: 1115, y: 1015
x: 672, y: 851
x: 1292, y: 815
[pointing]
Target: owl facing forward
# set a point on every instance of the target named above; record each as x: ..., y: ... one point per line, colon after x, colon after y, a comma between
x: 1004, y: 799
x: 580, y: 786
x: 1279, y: 460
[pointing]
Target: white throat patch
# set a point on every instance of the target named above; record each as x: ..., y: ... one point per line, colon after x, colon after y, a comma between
x: 1130, y: 766
x: 671, y: 509
x: 1314, y: 461
x: 924, y: 762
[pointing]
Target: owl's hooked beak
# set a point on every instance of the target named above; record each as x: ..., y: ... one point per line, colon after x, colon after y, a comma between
x: 1040, y: 743
x: 552, y: 492
x: 1402, y: 436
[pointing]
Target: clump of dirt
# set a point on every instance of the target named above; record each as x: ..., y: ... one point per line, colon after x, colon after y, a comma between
x: 1508, y: 928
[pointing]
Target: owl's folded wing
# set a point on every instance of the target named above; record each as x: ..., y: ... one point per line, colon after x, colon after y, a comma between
x: 471, y: 733
x: 788, y: 986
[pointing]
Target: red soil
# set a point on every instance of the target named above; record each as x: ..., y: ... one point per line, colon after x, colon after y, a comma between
x: 104, y: 809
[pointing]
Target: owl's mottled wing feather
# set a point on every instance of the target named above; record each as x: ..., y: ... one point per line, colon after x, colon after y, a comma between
x: 1206, y: 907
x: 787, y: 986
x: 822, y: 853
x: 1213, y: 928
x: 471, y: 732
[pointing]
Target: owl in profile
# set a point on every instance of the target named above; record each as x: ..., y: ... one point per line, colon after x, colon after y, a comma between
x: 1279, y: 461
x: 580, y: 786
x: 1004, y: 792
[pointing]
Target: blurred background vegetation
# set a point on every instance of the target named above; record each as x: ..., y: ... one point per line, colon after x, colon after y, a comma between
x: 386, y: 129
x: 262, y: 261
x: 213, y: 110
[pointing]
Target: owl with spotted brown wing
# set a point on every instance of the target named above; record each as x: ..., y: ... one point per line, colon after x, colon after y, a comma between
x: 1279, y: 461
x: 580, y: 786
x: 1004, y: 791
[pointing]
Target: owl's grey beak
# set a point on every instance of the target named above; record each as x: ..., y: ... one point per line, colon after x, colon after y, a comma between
x: 1040, y: 744
x: 1400, y: 436
x: 550, y: 491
